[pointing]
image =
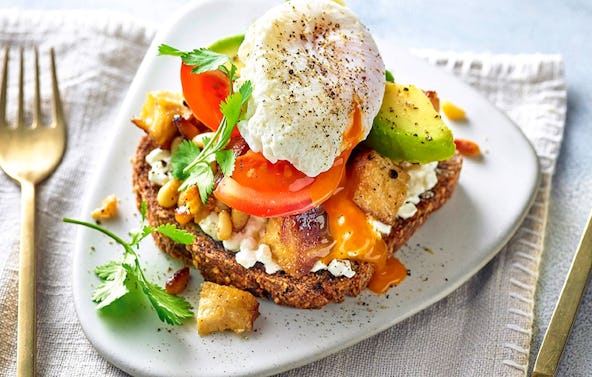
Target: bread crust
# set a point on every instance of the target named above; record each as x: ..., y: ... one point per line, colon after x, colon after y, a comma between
x: 313, y: 290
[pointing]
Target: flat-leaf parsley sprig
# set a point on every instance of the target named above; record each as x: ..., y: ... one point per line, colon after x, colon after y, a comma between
x: 202, y: 60
x: 119, y: 275
x: 189, y: 163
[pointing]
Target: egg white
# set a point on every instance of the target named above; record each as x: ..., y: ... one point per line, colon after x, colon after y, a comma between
x: 310, y: 63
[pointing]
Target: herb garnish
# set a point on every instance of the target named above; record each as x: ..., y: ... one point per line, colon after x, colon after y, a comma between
x: 119, y: 275
x: 202, y: 60
x: 189, y: 163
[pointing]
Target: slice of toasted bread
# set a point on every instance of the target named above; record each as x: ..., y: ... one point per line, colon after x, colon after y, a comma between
x: 313, y: 290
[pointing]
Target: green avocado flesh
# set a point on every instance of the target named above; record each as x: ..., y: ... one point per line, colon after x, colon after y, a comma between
x: 228, y: 46
x: 408, y: 128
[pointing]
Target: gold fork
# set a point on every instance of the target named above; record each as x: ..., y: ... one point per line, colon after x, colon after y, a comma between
x: 29, y: 154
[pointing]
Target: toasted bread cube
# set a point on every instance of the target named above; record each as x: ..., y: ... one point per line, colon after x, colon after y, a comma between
x: 157, y: 115
x: 107, y: 210
x: 224, y: 307
x: 298, y: 241
x: 380, y: 185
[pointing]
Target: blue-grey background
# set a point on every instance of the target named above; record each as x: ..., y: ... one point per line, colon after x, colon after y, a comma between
x: 501, y: 26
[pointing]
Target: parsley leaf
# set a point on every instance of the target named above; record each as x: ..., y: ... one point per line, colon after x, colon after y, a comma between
x: 170, y: 308
x: 231, y: 107
x: 245, y: 90
x: 186, y: 152
x: 114, y: 275
x: 202, y: 59
x: 189, y: 163
x: 225, y: 160
x: 202, y: 176
x: 199, y: 171
x: 117, y: 275
x: 143, y: 210
x: 176, y: 234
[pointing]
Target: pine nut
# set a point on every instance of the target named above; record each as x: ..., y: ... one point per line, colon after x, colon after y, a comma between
x: 168, y: 194
x: 239, y: 219
x: 224, y: 230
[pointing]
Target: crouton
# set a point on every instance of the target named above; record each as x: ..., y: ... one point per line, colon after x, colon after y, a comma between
x: 107, y: 210
x: 379, y: 185
x: 298, y: 241
x: 224, y: 307
x: 157, y: 115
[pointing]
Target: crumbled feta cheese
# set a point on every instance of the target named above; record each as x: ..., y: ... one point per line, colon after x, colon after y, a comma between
x: 337, y: 267
x: 251, y: 253
x: 253, y: 229
x: 379, y: 226
x: 318, y: 266
x: 421, y: 179
x: 209, y: 225
x: 160, y: 166
x: 248, y: 250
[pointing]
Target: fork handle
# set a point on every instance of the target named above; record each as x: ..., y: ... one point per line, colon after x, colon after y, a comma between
x: 27, y: 285
x: 566, y: 308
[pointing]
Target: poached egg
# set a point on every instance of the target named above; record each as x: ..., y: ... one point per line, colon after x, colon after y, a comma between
x: 318, y: 82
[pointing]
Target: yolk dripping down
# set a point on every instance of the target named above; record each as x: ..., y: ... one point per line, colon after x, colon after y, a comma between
x: 356, y: 239
x: 354, y: 236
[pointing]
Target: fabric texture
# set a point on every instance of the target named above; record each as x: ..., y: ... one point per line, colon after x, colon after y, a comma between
x: 483, y: 328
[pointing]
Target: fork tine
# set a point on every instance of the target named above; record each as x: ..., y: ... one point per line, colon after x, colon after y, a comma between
x: 58, y: 111
x: 37, y: 98
x: 3, y: 86
x: 20, y: 111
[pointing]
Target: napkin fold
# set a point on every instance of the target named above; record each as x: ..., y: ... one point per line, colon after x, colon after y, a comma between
x: 483, y: 328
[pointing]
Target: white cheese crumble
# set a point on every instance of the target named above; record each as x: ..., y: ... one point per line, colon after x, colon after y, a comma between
x: 248, y: 250
x: 209, y: 225
x: 379, y: 227
x: 251, y: 253
x: 160, y: 166
x: 421, y: 179
x: 253, y: 229
x: 337, y: 267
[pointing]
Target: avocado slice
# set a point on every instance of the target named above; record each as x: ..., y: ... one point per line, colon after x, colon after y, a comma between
x: 229, y: 46
x: 408, y: 128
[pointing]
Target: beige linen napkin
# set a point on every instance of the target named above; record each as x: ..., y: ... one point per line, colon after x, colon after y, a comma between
x: 483, y: 328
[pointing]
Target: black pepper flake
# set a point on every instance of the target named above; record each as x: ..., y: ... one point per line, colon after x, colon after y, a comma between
x: 393, y: 174
x: 291, y: 71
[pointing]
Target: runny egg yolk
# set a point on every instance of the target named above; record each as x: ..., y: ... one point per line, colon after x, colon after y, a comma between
x: 356, y: 239
x: 354, y: 236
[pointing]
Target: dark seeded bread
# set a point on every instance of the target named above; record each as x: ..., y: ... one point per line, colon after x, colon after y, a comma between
x: 311, y: 291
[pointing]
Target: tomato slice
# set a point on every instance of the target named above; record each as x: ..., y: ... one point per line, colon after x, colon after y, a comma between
x: 261, y: 188
x: 203, y: 93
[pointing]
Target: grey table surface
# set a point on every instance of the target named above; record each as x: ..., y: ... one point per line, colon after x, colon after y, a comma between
x: 502, y: 26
